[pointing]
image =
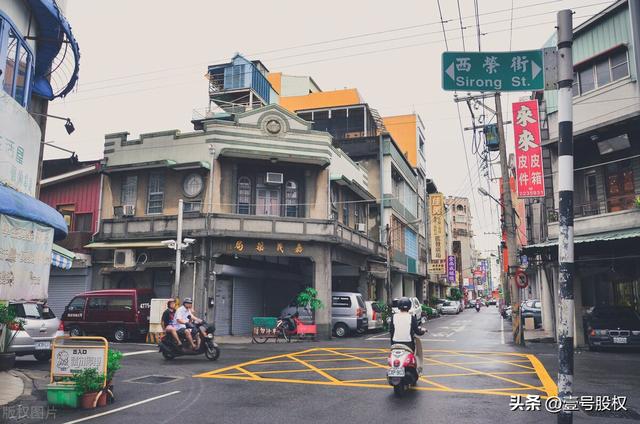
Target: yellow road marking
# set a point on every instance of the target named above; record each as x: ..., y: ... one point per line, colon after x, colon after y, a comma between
x: 313, y: 370
x: 479, y: 373
x: 250, y: 374
x: 510, y: 362
x: 318, y: 370
x: 548, y: 384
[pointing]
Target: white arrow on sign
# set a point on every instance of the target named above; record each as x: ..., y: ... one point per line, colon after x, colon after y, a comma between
x: 535, y: 69
x: 450, y: 71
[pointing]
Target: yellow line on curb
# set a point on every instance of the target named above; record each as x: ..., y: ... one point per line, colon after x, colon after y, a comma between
x: 548, y: 384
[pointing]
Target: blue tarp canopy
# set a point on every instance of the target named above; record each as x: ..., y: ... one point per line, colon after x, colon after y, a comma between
x: 19, y: 205
x: 53, y: 31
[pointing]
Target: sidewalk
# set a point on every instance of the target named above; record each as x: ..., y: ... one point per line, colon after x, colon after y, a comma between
x: 538, y: 336
x: 11, y: 388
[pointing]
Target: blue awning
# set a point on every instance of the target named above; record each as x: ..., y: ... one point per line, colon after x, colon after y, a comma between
x: 53, y: 31
x: 25, y: 207
x: 61, y: 257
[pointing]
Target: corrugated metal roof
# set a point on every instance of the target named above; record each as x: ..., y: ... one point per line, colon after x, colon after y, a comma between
x: 590, y: 238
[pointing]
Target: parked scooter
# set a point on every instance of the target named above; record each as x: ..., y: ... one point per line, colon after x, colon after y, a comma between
x: 405, y: 365
x: 477, y: 306
x: 208, y: 346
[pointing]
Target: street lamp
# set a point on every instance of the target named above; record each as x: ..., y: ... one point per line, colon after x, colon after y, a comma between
x: 178, y: 246
x: 389, y: 230
x: 212, y: 153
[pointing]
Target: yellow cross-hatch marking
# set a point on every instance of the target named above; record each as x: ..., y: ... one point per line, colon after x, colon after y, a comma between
x: 456, y: 371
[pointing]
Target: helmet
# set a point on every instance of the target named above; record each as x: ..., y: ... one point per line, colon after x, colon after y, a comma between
x: 187, y: 300
x: 404, y: 304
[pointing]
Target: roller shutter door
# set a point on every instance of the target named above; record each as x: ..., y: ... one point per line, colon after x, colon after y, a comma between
x: 64, y: 285
x: 224, y: 296
x: 247, y: 303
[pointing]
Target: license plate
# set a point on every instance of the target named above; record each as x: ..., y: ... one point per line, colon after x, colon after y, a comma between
x: 620, y: 340
x: 43, y: 345
x: 395, y: 372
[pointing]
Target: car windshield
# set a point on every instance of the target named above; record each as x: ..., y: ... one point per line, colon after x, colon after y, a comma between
x: 616, y: 313
x: 32, y: 311
x: 447, y: 304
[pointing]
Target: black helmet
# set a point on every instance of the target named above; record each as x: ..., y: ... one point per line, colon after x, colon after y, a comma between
x: 404, y: 304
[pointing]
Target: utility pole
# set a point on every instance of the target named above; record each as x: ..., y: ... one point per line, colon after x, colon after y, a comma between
x: 176, y: 283
x: 565, y: 186
x: 510, y: 230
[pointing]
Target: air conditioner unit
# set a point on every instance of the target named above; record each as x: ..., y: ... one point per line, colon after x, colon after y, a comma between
x: 362, y: 227
x: 128, y: 210
x: 274, y: 178
x: 123, y: 258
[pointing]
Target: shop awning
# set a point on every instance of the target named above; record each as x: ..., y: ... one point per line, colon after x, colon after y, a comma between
x: 61, y: 257
x: 151, y: 244
x: 20, y: 205
x: 589, y: 238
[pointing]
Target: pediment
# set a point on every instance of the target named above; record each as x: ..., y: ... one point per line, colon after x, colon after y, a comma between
x: 273, y: 120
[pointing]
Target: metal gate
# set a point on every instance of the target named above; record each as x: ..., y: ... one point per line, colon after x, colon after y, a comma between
x: 224, y: 295
x: 247, y: 303
x: 64, y: 285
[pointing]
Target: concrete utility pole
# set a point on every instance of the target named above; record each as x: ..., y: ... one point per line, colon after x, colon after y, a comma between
x: 510, y: 230
x: 176, y: 283
x: 565, y: 188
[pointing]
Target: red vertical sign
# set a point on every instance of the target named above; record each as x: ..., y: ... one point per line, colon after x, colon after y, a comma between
x: 526, y: 130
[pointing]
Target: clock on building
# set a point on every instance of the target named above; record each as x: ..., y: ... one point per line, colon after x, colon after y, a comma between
x: 192, y: 185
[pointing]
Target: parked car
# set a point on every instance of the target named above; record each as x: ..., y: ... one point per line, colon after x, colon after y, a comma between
x: 492, y: 301
x: 348, y: 313
x: 532, y: 309
x: 40, y: 328
x: 450, y: 307
x: 460, y: 305
x: 612, y: 326
x: 438, y: 304
x: 119, y: 314
x: 416, y: 307
x: 374, y: 316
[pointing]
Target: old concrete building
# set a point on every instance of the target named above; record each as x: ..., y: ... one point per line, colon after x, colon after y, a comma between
x: 462, y: 243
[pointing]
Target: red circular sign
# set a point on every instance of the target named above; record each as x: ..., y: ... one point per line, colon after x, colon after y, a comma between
x: 522, y: 280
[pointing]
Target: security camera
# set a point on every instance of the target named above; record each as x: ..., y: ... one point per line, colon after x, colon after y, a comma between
x: 188, y: 241
x: 171, y: 244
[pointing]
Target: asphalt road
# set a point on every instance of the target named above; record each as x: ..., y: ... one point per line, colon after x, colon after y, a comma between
x: 471, y: 370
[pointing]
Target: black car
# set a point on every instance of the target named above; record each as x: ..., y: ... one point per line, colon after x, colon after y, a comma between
x: 612, y: 326
x: 532, y: 308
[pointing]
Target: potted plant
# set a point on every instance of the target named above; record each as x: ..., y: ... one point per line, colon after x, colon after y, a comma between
x: 9, y: 327
x: 90, y: 385
x: 384, y: 313
x: 114, y: 358
x: 308, y: 299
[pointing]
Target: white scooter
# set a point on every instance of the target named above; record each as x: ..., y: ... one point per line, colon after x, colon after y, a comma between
x: 405, y: 365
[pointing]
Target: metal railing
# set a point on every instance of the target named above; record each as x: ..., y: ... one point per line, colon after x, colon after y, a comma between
x: 612, y: 204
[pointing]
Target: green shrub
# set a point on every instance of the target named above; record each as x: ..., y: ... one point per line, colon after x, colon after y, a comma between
x: 88, y: 381
x: 114, y: 358
x: 384, y: 313
x: 308, y: 298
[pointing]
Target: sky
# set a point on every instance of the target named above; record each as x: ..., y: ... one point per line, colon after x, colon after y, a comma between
x: 143, y: 63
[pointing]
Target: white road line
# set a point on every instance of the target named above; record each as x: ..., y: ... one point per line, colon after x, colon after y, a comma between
x: 139, y: 352
x: 90, y: 417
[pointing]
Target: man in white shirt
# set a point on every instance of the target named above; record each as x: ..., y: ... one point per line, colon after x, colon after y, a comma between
x: 183, y: 317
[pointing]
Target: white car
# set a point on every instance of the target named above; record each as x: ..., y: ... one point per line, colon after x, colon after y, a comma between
x: 375, y: 316
x: 450, y: 307
x: 416, y: 308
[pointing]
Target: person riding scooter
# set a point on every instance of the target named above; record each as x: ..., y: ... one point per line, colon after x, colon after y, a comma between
x: 183, y: 317
x: 169, y: 322
x: 478, y: 305
x: 404, y: 327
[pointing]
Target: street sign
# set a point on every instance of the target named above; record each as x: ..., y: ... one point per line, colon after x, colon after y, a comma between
x: 522, y: 280
x: 493, y: 71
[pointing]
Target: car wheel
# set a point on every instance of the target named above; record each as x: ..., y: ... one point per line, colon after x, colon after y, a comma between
x: 75, y: 331
x: 341, y: 330
x: 119, y: 334
x: 42, y: 355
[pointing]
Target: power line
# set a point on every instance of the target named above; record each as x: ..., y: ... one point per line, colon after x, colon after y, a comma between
x: 444, y: 32
x: 464, y: 48
x: 477, y: 23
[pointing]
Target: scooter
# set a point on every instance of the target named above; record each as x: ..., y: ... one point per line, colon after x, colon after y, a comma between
x: 405, y: 365
x: 170, y: 350
x: 477, y: 307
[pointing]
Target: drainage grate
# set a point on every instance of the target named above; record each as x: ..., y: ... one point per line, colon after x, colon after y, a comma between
x: 153, y: 379
x: 629, y: 414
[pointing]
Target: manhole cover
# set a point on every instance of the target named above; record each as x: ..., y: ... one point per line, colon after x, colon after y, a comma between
x: 629, y: 414
x: 153, y: 379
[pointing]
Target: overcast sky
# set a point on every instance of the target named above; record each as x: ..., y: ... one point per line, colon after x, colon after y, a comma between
x: 143, y: 64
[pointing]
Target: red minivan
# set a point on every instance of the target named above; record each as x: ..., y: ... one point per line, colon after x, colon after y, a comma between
x: 119, y: 314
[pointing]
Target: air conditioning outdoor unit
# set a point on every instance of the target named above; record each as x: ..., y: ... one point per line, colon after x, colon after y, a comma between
x: 274, y: 178
x: 362, y: 227
x: 123, y: 258
x: 128, y: 210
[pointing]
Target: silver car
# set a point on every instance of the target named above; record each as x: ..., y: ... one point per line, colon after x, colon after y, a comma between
x: 40, y: 328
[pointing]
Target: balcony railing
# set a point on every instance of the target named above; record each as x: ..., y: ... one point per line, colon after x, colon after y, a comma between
x: 234, y: 225
x: 612, y: 204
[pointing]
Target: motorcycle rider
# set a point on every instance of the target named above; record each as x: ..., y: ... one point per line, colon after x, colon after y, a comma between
x: 183, y: 317
x: 169, y: 322
x: 404, y: 327
x: 198, y: 330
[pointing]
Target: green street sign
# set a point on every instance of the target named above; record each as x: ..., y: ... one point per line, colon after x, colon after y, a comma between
x: 493, y: 71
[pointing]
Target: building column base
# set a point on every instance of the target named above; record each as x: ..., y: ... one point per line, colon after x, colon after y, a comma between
x: 324, y: 332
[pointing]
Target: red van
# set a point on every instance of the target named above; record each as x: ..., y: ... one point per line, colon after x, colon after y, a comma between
x: 119, y: 314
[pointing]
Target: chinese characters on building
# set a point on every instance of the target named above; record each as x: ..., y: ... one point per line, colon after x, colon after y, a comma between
x: 438, y: 244
x: 526, y: 130
x: 451, y: 269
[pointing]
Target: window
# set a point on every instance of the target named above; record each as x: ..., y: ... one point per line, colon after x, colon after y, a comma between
x: 603, y: 74
x: 192, y: 206
x: 83, y: 222
x: 346, y: 210
x: 575, y: 88
x: 121, y: 303
x: 600, y: 72
x: 67, y: 213
x: 16, y: 63
x: 155, y: 200
x: 291, y: 199
x: 340, y: 302
x: 586, y: 80
x: 128, y: 190
x: 619, y: 65
x: 76, y: 305
x: 97, y: 304
x: 244, y: 195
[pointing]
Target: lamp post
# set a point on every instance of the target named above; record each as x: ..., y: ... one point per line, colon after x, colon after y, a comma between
x: 179, y: 244
x: 389, y: 230
x: 212, y: 153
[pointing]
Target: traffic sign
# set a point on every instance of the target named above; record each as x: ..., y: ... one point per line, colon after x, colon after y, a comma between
x: 522, y: 280
x: 493, y: 71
